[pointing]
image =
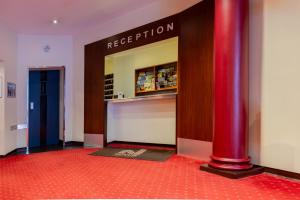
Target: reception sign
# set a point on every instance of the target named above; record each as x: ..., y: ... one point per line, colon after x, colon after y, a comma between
x: 153, y: 32
x: 142, y: 35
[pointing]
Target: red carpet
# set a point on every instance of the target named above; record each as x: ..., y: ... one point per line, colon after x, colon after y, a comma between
x: 75, y: 174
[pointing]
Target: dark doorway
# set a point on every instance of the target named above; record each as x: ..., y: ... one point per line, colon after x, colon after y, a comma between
x: 44, y: 107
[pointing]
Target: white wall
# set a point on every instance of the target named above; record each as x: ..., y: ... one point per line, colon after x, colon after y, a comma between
x: 147, y: 121
x: 8, y: 111
x: 136, y: 18
x: 31, y: 54
x: 274, y: 79
x: 2, y: 109
x: 281, y: 85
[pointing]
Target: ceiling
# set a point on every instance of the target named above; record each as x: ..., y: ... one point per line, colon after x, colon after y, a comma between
x: 35, y: 16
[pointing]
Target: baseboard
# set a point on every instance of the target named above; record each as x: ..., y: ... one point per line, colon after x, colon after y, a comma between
x: 23, y: 149
x: 142, y: 144
x: 284, y: 173
x: 93, y: 140
x: 255, y: 170
x: 195, y: 149
x: 73, y: 143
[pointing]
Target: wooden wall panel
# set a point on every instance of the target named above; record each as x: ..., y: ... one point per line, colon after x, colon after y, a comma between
x: 194, y: 101
x: 94, y: 108
x: 93, y: 89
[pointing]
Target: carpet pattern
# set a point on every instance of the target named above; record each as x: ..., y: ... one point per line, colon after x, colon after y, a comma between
x: 75, y: 174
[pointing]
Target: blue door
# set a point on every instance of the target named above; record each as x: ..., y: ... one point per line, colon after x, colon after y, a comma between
x: 34, y: 108
x: 43, y: 108
x: 52, y: 127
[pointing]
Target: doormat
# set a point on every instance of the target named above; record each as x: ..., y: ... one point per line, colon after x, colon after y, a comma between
x: 134, y: 153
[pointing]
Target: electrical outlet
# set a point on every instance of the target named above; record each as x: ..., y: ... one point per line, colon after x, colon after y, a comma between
x: 13, y: 127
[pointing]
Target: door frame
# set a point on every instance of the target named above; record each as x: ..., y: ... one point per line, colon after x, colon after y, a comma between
x: 62, y: 98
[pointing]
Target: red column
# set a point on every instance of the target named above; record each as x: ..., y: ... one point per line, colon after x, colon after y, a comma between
x: 230, y: 141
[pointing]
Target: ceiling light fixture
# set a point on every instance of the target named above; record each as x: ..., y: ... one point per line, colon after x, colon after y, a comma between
x: 55, y: 21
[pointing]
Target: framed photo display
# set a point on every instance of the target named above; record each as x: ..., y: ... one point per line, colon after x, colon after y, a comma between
x: 11, y: 90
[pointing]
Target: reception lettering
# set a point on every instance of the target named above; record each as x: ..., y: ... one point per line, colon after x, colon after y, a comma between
x: 141, y: 35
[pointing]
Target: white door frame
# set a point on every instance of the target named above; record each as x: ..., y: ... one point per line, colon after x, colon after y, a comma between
x: 62, y: 106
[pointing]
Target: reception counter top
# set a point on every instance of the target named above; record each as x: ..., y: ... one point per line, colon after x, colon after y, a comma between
x: 143, y: 98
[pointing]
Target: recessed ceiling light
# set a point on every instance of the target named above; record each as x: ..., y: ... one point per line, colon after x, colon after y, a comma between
x: 55, y: 21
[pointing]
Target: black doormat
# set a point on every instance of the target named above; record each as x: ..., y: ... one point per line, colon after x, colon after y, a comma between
x: 135, y: 153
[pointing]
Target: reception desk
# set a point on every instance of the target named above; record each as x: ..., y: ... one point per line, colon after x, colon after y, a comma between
x: 144, y: 119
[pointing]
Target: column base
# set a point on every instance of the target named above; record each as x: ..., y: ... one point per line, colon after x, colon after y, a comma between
x: 233, y: 174
x: 230, y: 164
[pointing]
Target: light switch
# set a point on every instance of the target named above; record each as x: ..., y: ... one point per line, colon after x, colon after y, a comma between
x: 31, y: 106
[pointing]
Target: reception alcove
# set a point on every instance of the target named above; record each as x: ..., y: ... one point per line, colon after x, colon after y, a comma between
x: 194, y: 27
